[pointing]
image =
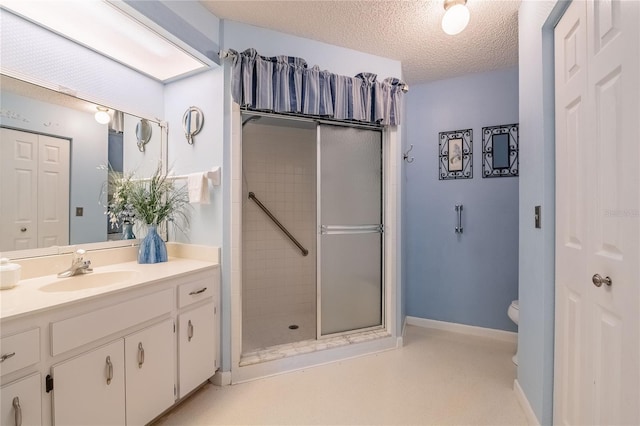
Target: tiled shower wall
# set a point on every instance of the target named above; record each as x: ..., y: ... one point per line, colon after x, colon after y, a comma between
x: 279, y: 166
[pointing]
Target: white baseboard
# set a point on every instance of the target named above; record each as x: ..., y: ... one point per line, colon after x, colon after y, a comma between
x: 532, y: 420
x: 404, y: 325
x: 221, y: 378
x: 508, y: 336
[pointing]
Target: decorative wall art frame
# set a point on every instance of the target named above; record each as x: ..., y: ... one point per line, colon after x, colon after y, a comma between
x: 456, y: 154
x: 500, y: 151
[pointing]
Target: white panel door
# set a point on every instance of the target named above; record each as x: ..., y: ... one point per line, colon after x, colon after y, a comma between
x: 19, y: 189
x: 196, y: 347
x: 89, y: 389
x: 53, y: 191
x: 150, y: 360
x: 597, y: 360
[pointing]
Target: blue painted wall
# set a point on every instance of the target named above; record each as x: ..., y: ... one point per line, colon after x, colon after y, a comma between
x: 470, y: 278
x: 205, y: 90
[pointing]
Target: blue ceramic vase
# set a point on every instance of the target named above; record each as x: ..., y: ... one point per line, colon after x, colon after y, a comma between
x: 127, y: 231
x: 152, y: 248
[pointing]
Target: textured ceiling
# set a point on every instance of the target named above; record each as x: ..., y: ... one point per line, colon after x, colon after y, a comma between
x: 408, y: 31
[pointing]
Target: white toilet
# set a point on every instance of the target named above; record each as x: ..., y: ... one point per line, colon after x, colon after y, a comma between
x: 514, y: 314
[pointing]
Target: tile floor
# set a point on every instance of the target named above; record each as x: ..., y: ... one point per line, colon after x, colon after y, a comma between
x: 437, y: 378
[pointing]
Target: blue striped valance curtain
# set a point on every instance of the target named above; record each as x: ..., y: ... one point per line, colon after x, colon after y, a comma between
x: 286, y: 84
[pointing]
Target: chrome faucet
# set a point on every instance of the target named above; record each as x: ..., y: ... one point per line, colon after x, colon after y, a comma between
x: 78, y: 266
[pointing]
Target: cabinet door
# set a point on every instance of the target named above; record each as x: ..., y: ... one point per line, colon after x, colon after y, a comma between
x: 150, y: 369
x: 196, y: 347
x: 21, y: 402
x: 89, y: 389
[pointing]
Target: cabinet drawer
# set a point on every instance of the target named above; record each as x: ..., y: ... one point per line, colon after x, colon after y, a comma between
x: 19, y: 351
x: 77, y: 331
x: 196, y: 290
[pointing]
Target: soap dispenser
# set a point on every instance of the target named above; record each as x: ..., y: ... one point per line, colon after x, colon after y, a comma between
x: 9, y: 274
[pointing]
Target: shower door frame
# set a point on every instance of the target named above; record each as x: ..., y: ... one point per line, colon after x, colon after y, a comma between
x: 390, y: 337
x: 383, y: 204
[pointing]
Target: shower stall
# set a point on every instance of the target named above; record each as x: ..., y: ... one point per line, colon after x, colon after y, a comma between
x: 312, y: 230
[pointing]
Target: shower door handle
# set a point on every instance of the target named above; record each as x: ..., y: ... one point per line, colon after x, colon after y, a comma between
x: 351, y: 229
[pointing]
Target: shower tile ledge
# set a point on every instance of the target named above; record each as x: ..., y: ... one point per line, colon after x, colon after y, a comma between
x: 278, y: 352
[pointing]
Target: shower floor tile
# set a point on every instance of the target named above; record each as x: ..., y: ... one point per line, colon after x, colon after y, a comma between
x: 262, y: 332
x: 306, y: 346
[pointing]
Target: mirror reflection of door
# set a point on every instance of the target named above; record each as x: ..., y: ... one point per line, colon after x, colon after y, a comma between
x: 35, y: 190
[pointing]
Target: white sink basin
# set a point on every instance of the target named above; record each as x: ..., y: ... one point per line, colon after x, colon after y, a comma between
x: 91, y: 280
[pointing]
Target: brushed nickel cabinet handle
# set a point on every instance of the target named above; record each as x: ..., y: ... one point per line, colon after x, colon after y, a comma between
x: 17, y: 411
x: 202, y: 290
x: 109, y: 370
x: 140, y: 355
x: 190, y: 331
x: 5, y: 357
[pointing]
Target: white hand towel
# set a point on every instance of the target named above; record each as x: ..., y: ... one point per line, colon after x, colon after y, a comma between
x: 198, y: 186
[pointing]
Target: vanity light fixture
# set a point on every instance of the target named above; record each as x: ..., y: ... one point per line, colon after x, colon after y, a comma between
x: 107, y: 29
x: 102, y: 116
x: 456, y: 17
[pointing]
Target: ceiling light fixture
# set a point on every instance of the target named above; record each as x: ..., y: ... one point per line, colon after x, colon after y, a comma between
x: 102, y: 116
x: 103, y: 27
x: 456, y: 17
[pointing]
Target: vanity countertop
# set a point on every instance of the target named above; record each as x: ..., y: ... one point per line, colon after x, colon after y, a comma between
x: 48, y: 292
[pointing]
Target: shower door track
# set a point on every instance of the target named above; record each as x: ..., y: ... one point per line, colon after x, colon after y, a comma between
x: 308, y: 119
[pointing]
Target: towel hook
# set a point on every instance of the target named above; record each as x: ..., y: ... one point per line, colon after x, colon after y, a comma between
x: 406, y: 157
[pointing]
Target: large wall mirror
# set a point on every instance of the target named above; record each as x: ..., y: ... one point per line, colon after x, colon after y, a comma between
x: 54, y: 166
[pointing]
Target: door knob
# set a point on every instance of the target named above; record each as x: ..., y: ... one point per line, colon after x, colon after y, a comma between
x: 598, y: 280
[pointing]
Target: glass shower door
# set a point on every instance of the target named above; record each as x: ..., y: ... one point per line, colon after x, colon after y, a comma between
x: 350, y: 218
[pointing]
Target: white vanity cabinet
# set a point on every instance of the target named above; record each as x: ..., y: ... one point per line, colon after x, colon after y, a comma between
x: 90, y: 389
x: 118, y: 358
x: 20, y: 402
